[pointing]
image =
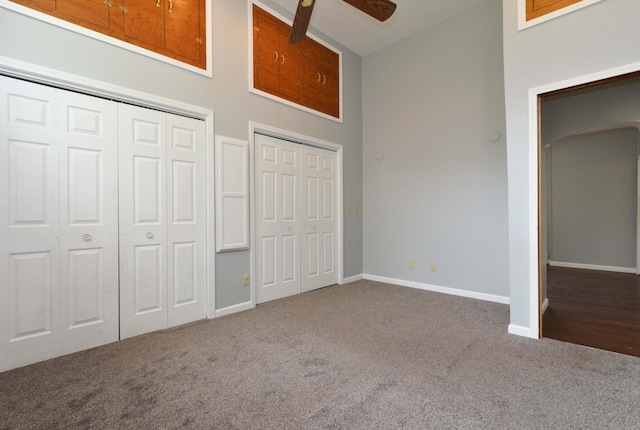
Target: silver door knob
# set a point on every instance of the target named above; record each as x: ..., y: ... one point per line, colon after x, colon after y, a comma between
x: 149, y: 235
x: 314, y: 227
x: 86, y: 237
x: 290, y: 228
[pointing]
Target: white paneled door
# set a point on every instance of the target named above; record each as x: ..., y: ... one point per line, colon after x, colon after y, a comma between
x: 296, y: 219
x: 277, y: 221
x: 162, y: 227
x: 319, y: 218
x: 102, y: 221
x: 58, y: 223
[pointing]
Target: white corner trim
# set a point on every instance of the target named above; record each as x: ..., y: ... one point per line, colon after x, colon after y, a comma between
x: 521, y: 331
x: 438, y: 289
x: 234, y: 309
x: 351, y: 279
x: 592, y: 267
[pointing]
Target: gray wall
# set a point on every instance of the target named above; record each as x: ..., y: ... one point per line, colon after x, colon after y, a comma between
x: 439, y: 194
x: 593, y: 39
x: 29, y: 40
x: 594, y: 198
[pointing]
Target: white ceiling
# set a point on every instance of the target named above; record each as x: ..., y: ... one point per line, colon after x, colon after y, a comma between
x: 365, y: 35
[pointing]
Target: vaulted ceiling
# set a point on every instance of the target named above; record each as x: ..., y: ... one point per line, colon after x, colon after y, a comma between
x: 363, y: 34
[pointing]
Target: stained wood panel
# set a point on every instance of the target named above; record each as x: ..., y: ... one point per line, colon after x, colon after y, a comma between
x: 174, y: 28
x: 538, y: 8
x: 306, y: 73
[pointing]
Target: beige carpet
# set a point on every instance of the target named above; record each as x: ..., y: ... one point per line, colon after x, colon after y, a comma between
x: 360, y: 356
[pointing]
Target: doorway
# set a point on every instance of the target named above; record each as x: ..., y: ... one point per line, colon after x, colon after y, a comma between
x: 588, y: 214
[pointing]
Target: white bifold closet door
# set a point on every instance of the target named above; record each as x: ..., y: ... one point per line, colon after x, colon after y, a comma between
x: 58, y: 223
x: 162, y: 220
x: 296, y: 219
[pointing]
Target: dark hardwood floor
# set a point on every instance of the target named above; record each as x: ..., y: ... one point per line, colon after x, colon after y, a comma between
x: 594, y: 308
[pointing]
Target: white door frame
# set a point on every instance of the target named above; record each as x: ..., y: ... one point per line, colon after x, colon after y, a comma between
x: 533, y: 230
x: 279, y: 133
x: 43, y: 75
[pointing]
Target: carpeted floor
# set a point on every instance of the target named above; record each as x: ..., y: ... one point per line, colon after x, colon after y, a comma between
x: 360, y: 356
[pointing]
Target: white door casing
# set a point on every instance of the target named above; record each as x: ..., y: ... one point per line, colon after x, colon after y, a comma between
x: 319, y: 218
x: 277, y: 220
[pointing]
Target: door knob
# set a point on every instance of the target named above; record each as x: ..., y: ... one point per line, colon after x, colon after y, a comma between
x: 86, y: 237
x: 290, y: 228
x: 315, y: 228
x: 149, y: 235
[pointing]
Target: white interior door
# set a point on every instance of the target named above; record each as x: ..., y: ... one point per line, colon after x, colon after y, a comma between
x: 162, y: 220
x: 58, y: 223
x: 319, y: 218
x: 88, y: 221
x: 186, y: 197
x: 29, y: 227
x: 277, y: 220
x: 143, y: 225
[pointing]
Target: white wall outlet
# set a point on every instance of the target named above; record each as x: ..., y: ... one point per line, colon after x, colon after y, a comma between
x: 433, y: 266
x: 245, y: 279
x: 412, y: 264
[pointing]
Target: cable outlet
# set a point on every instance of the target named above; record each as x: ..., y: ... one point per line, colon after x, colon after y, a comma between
x: 412, y: 264
x: 245, y: 279
x: 433, y: 266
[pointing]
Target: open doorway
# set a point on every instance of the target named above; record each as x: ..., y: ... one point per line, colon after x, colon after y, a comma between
x: 589, y: 252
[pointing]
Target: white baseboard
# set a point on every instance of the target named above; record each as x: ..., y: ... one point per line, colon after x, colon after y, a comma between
x: 545, y: 305
x: 592, y: 267
x: 351, y: 279
x: 521, y: 331
x: 438, y: 289
x: 234, y: 309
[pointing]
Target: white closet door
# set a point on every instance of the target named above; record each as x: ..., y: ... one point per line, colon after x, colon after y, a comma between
x: 143, y: 225
x: 88, y: 221
x: 277, y: 220
x: 186, y: 197
x: 29, y: 227
x: 319, y: 218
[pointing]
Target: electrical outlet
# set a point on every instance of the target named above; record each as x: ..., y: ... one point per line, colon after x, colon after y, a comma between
x: 245, y: 279
x: 356, y: 209
x: 348, y: 210
x: 433, y: 266
x: 412, y: 264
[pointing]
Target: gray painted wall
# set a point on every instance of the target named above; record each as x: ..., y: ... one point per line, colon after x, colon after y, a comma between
x: 29, y: 40
x: 439, y: 194
x: 593, y: 39
x: 594, y: 198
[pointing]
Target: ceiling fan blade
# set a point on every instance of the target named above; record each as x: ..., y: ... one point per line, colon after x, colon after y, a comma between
x: 301, y: 21
x: 378, y: 9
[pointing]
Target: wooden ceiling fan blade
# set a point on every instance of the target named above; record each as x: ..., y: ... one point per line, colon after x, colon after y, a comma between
x: 378, y: 9
x: 301, y: 20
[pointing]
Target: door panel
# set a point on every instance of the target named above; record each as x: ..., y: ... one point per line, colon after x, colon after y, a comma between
x: 277, y: 226
x: 186, y: 197
x: 88, y: 221
x: 319, y: 218
x: 142, y: 214
x: 29, y: 224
